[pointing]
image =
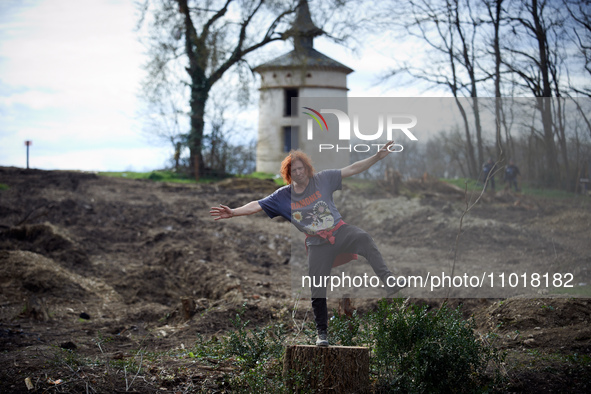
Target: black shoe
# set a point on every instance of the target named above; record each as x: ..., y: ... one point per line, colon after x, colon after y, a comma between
x: 322, y: 339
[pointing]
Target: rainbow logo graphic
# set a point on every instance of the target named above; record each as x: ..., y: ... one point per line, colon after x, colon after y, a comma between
x: 316, y: 118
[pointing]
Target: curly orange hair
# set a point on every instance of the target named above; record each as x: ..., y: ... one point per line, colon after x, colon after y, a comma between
x: 295, y: 155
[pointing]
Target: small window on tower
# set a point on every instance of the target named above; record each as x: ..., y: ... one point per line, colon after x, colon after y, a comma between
x: 287, y: 108
x: 290, y: 138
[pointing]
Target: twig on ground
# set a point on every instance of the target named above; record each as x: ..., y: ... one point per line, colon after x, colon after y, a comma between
x: 127, y: 387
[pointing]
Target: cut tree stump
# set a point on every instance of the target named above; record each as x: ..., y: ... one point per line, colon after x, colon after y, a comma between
x: 36, y: 308
x: 336, y: 369
x: 346, y: 307
x: 187, y: 308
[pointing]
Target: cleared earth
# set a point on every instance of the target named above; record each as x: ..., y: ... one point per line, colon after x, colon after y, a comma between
x: 84, y: 258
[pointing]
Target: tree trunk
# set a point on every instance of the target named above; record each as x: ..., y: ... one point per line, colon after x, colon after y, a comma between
x: 496, y: 18
x: 551, y: 172
x: 335, y: 369
x: 198, y: 99
x: 469, y: 66
x: 552, y: 176
x: 560, y: 126
x: 476, y: 108
x: 473, y: 168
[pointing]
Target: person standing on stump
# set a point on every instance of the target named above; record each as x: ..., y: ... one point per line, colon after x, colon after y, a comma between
x: 307, y: 202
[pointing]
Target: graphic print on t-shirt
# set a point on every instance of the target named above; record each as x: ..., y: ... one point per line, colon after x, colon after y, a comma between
x: 315, y: 219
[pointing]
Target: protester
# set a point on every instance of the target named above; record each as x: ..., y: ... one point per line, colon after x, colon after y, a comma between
x: 307, y: 201
x: 511, y: 173
x: 488, y: 173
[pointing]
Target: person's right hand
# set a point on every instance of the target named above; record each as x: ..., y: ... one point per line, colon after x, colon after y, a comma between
x: 221, y: 212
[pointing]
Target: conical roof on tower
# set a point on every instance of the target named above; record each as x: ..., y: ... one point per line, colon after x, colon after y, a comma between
x: 303, y: 32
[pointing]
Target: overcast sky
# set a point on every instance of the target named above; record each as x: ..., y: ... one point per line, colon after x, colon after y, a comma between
x: 69, y: 79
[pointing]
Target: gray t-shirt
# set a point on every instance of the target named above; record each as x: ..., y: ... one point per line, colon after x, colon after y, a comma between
x: 312, y: 210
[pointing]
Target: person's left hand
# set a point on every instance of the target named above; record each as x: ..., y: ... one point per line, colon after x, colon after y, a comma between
x: 221, y: 212
x: 384, y: 151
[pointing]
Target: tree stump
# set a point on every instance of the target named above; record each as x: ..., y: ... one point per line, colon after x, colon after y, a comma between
x: 336, y: 369
x: 187, y: 308
x: 393, y: 180
x: 346, y: 306
x: 36, y: 308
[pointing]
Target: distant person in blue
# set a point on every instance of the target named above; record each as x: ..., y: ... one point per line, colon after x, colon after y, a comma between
x: 511, y: 173
x: 488, y: 173
x: 307, y: 202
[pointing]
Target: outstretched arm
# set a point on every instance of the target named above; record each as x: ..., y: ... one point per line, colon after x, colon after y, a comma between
x: 224, y: 212
x: 362, y: 165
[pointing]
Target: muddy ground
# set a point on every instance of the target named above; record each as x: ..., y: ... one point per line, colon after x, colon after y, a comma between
x: 100, y: 267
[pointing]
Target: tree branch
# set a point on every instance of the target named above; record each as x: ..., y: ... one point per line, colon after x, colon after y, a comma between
x: 238, y: 53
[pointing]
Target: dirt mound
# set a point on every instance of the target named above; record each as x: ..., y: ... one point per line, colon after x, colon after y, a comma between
x: 555, y: 323
x: 25, y: 274
x: 430, y: 186
x: 151, y: 243
x: 569, y: 221
x: 48, y: 240
x: 162, y: 283
x: 249, y: 185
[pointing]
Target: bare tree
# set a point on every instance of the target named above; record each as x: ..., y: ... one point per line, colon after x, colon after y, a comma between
x: 494, y: 9
x: 218, y: 150
x: 466, y: 24
x: 511, y: 48
x: 451, y: 30
x: 580, y: 31
x: 226, y: 147
x: 536, y: 67
x: 164, y: 117
x: 208, y: 38
x: 199, y: 41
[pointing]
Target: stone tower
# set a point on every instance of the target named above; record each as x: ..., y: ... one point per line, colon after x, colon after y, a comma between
x: 301, y: 73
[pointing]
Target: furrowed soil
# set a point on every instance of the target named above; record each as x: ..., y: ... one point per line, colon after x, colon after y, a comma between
x: 106, y: 283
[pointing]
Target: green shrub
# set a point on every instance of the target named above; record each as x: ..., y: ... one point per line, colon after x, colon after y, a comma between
x: 255, y: 346
x: 412, y: 351
x: 257, y: 353
x: 346, y: 331
x: 265, y: 175
x: 416, y: 351
x: 155, y: 176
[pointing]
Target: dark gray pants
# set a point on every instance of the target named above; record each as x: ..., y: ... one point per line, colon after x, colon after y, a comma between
x: 348, y: 239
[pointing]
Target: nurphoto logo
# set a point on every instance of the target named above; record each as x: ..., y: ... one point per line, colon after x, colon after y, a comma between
x: 389, y: 122
x: 316, y: 119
